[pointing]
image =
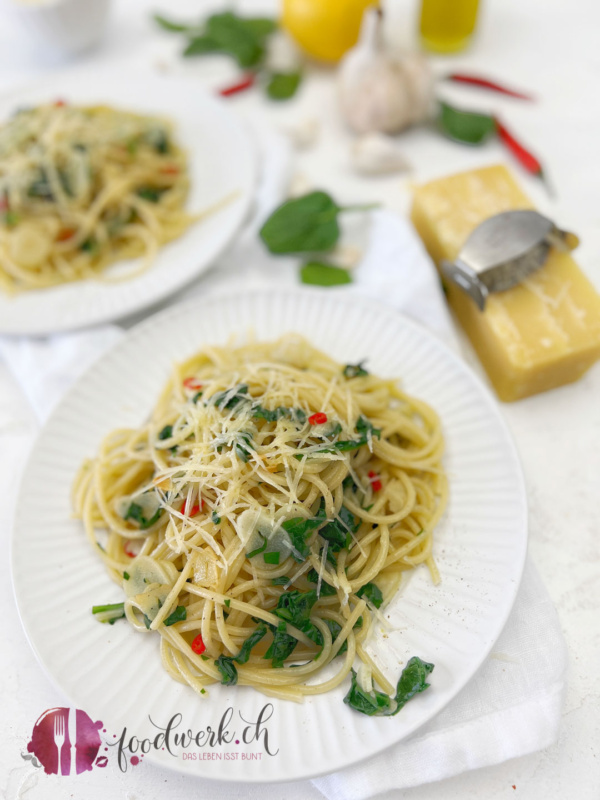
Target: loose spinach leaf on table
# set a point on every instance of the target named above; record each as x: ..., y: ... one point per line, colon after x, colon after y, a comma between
x: 412, y: 681
x: 283, y: 85
x: 318, y: 273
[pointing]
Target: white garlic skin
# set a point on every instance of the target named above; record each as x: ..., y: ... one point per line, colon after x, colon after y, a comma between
x: 381, y: 92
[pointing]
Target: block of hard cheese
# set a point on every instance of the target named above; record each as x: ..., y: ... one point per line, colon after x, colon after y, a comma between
x: 538, y: 335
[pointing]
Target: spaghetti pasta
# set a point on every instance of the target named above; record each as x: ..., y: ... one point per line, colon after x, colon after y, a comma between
x: 264, y: 513
x: 84, y: 187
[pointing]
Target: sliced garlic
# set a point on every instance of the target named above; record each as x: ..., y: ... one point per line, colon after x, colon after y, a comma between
x: 29, y: 245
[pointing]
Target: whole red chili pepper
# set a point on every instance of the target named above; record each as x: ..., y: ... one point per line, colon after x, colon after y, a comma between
x: 246, y: 83
x: 485, y: 83
x: 527, y: 160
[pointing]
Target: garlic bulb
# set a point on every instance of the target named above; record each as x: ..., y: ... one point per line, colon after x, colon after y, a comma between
x: 379, y: 91
x: 377, y: 154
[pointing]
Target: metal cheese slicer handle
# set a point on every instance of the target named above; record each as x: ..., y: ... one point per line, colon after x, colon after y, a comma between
x: 503, y: 250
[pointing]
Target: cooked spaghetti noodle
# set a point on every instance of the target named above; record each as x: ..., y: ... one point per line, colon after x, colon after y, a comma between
x: 264, y: 513
x: 81, y: 188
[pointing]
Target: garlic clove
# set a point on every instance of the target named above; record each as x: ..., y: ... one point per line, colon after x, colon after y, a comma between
x: 303, y: 133
x: 377, y: 154
x: 283, y: 55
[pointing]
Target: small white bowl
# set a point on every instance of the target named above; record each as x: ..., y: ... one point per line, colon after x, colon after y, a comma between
x: 65, y: 27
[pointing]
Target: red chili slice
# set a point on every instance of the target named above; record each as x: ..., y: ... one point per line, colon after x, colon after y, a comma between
x: 60, y: 103
x: 195, y: 508
x: 66, y: 233
x: 198, y: 645
x: 375, y: 482
x: 317, y: 419
x: 192, y: 384
x: 170, y: 169
x: 128, y: 552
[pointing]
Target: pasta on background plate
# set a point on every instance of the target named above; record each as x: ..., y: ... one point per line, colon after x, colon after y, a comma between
x: 82, y: 188
x: 264, y: 515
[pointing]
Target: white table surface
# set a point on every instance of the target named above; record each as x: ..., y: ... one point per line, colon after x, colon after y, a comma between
x: 550, y: 47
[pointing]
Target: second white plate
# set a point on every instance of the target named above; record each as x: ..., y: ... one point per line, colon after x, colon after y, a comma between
x: 115, y: 674
x: 222, y: 164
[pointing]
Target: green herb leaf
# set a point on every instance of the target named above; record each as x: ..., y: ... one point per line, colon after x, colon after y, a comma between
x: 282, y: 645
x: 109, y: 613
x: 227, y: 668
x: 371, y: 592
x: 166, y: 433
x: 200, y: 46
x: 326, y: 589
x: 11, y: 218
x: 372, y: 703
x: 283, y: 85
x: 467, y: 127
x: 299, y: 529
x: 178, y: 615
x: 150, y: 193
x: 126, y: 575
x: 354, y: 370
x: 335, y: 629
x: 233, y: 36
x: 173, y: 27
x: 90, y: 245
x: 317, y: 273
x: 338, y: 531
x: 227, y: 602
x: 254, y: 638
x: 136, y: 513
x: 260, y: 549
x: 281, y: 581
x: 272, y: 558
x: 226, y: 400
x: 215, y: 518
x: 412, y: 680
x: 295, y: 606
x: 304, y: 224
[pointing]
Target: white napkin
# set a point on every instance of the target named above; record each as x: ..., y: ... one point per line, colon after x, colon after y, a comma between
x: 513, y: 705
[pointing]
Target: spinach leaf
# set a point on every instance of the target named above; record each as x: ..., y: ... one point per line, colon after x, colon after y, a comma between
x: 281, y: 581
x: 318, y: 273
x: 227, y: 669
x: 150, y: 193
x: 243, y: 446
x: 295, y: 606
x: 364, y: 427
x: 371, y: 703
x: 178, y: 615
x: 254, y: 638
x: 283, y: 85
x: 338, y: 531
x: 215, y: 518
x: 166, y: 432
x: 200, y: 46
x: 371, y: 592
x: 242, y: 38
x: 299, y: 530
x: 465, y: 126
x: 354, y: 370
x: 260, y: 549
x: 221, y: 398
x: 272, y: 558
x: 90, y: 245
x: 109, y: 613
x: 326, y: 589
x: 136, y: 513
x: 412, y: 680
x: 173, y: 27
x: 282, y: 645
x: 304, y: 224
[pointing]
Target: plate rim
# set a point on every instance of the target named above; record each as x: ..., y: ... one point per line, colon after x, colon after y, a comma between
x: 492, y: 406
x: 244, y: 200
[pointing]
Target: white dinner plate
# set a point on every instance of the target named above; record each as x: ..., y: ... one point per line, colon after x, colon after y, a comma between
x: 222, y: 164
x: 114, y: 673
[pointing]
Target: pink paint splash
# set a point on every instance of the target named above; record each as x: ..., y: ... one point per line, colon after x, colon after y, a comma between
x: 80, y: 754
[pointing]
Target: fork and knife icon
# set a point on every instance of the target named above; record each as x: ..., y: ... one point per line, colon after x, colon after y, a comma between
x: 60, y: 733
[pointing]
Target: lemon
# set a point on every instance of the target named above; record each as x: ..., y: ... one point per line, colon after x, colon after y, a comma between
x: 324, y: 29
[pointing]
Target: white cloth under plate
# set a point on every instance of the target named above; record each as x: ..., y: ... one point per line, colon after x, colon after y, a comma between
x: 513, y: 705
